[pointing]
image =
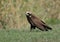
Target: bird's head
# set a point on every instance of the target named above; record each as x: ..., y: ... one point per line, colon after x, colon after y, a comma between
x: 28, y: 13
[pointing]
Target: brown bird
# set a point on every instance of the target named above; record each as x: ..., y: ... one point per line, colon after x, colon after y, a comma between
x: 36, y: 22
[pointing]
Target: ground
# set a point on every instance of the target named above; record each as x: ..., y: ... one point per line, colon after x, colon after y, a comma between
x: 16, y: 35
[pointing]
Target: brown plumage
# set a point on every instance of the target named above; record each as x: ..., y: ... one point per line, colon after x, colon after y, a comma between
x: 36, y: 22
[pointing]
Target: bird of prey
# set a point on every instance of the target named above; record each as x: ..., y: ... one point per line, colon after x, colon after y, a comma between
x: 36, y: 22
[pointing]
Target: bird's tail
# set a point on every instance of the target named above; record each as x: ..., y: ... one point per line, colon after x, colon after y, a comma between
x: 47, y: 27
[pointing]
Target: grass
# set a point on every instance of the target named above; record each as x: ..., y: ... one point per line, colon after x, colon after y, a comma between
x: 53, y: 21
x: 15, y: 35
x: 13, y: 13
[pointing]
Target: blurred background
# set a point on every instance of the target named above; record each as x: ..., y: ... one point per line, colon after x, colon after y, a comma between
x: 12, y: 12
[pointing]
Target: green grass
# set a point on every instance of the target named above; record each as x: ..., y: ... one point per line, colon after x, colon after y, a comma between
x: 13, y: 13
x: 53, y: 21
x: 15, y: 35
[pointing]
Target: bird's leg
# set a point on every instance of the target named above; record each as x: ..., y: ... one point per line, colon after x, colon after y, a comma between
x: 32, y: 27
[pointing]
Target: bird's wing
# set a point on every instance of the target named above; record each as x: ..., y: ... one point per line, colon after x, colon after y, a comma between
x: 38, y: 23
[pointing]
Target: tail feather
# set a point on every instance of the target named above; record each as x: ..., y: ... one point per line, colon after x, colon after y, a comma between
x: 47, y: 27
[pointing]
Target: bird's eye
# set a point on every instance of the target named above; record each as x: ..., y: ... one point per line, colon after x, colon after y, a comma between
x: 28, y: 13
